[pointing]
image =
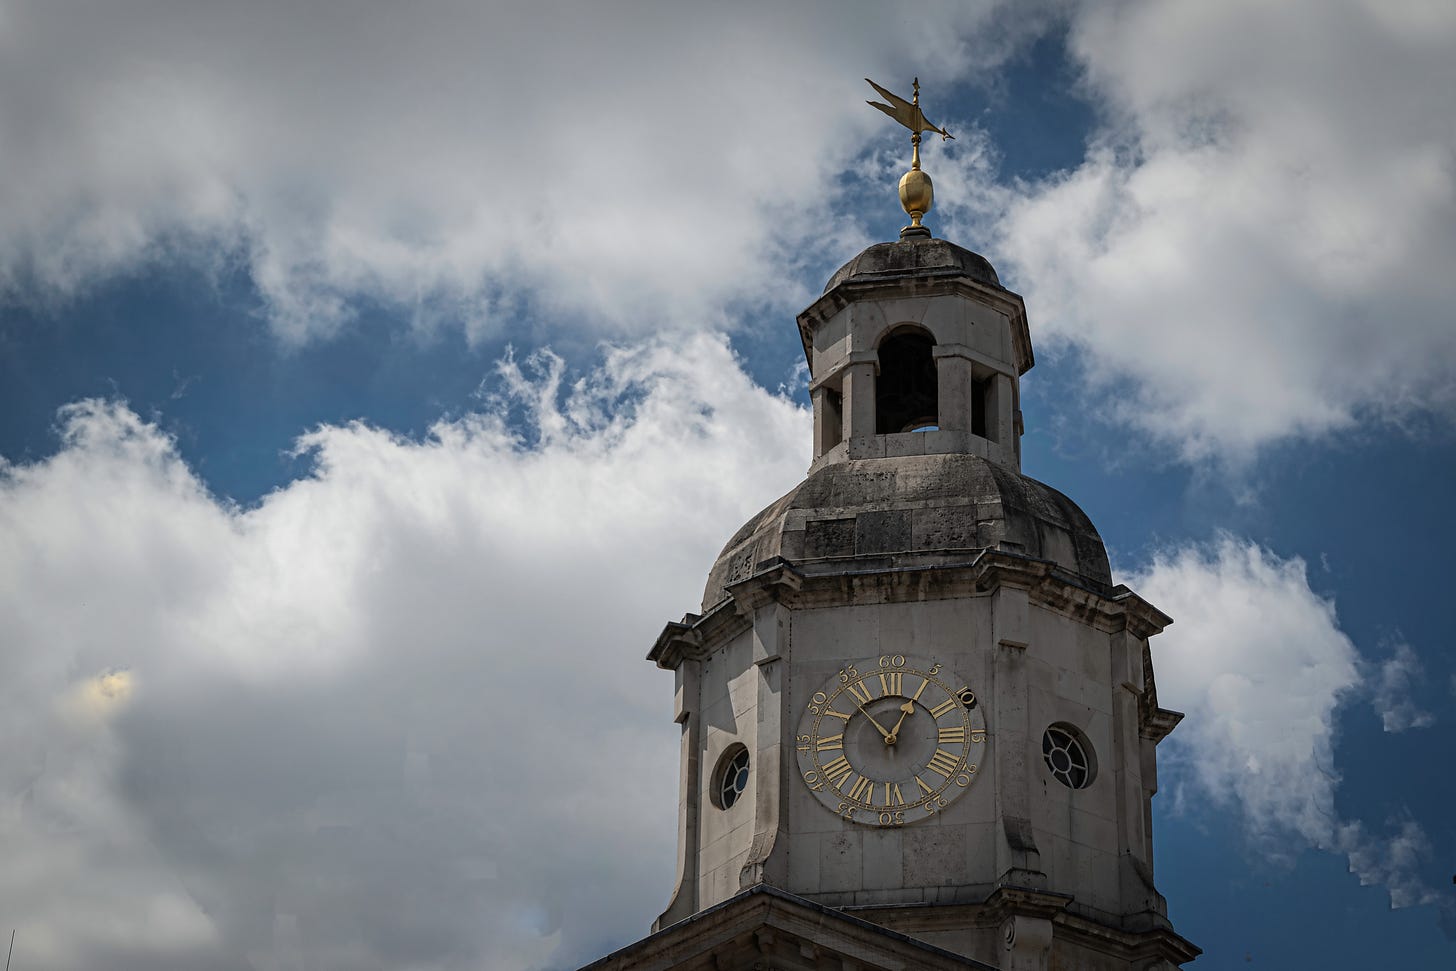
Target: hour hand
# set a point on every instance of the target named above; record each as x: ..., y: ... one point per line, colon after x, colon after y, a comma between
x: 907, y: 709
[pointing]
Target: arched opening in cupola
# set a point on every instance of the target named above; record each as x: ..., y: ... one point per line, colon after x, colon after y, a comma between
x: 906, y: 394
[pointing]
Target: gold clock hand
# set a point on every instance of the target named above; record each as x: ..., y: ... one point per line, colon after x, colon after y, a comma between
x: 907, y: 709
x: 878, y: 727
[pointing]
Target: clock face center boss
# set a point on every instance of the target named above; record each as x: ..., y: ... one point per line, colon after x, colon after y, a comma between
x: 890, y: 740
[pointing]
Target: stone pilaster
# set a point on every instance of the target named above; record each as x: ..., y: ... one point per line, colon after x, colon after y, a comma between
x: 770, y: 657
x: 1018, y: 860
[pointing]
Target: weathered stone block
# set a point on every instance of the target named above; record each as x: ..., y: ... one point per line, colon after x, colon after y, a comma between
x: 829, y: 537
x: 934, y: 855
x: 841, y: 861
x: 882, y: 531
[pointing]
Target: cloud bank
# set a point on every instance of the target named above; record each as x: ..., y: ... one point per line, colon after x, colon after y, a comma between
x: 396, y: 713
x: 1260, y: 666
x: 394, y: 716
x: 1257, y: 245
x: 1254, y: 249
x: 634, y: 164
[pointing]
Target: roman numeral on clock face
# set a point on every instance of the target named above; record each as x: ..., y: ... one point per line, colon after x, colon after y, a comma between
x: 892, y: 683
x: 952, y: 735
x: 948, y: 704
x: 943, y: 762
x: 837, y: 771
x: 828, y: 742
x: 862, y: 789
x: 860, y: 692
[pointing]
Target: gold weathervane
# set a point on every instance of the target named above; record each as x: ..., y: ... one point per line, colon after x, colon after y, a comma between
x: 916, y: 190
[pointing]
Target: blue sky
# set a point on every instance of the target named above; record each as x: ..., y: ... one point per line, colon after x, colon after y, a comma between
x: 374, y: 384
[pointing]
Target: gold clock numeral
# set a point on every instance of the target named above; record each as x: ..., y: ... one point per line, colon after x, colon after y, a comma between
x: 837, y: 771
x: 833, y: 758
x: 943, y: 763
x: 948, y: 704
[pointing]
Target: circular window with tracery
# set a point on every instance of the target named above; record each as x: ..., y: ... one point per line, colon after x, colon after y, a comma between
x: 1069, y: 756
x: 731, y: 777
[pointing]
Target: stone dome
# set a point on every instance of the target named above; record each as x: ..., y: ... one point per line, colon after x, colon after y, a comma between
x: 925, y: 256
x: 913, y: 510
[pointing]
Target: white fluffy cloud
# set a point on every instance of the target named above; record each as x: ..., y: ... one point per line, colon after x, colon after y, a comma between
x: 639, y: 164
x: 395, y: 715
x: 1258, y: 244
x: 1259, y: 664
x: 1255, y: 247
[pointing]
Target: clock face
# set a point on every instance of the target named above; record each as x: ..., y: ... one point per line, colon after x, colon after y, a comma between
x: 890, y: 740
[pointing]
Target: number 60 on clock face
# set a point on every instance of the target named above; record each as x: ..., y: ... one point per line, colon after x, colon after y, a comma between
x: 890, y: 739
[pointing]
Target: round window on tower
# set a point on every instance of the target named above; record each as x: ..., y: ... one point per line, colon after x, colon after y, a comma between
x: 730, y: 778
x: 1068, y: 756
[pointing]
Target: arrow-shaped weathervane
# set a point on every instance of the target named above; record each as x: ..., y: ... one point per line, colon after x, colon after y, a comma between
x: 916, y: 191
x: 907, y: 113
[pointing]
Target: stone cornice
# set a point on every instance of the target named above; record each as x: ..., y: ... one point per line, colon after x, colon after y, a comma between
x: 1144, y: 937
x: 1008, y: 901
x: 1156, y: 724
x: 677, y: 641
x: 696, y: 635
x: 902, y: 578
x: 778, y: 582
x: 782, y: 931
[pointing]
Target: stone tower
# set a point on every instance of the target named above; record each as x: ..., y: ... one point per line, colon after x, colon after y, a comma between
x: 912, y: 696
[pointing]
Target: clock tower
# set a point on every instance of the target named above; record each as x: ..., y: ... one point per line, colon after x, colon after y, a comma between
x: 916, y: 713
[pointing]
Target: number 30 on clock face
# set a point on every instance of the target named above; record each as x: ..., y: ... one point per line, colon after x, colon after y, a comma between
x: 890, y: 740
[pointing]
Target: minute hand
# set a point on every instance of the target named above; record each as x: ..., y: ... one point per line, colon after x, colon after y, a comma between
x: 889, y: 738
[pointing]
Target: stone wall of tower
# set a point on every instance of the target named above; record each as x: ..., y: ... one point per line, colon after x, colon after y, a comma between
x: 730, y: 717
x: 1039, y: 669
x: 1037, y: 655
x: 927, y: 543
x: 942, y: 857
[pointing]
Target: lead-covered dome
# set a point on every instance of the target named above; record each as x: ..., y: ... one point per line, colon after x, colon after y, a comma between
x: 914, y: 257
x: 919, y: 509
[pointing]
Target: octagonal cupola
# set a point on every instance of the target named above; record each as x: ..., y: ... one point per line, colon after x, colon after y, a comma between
x: 915, y: 348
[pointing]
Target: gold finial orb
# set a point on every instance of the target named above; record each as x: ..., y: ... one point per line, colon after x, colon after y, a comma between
x: 916, y: 190
x: 916, y: 195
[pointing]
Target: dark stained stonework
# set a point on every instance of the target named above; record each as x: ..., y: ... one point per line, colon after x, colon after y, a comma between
x: 917, y: 504
x: 766, y: 928
x: 914, y: 257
